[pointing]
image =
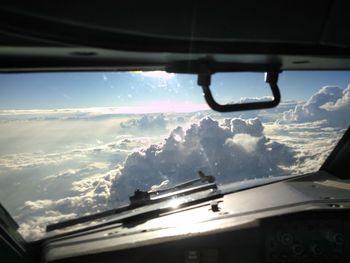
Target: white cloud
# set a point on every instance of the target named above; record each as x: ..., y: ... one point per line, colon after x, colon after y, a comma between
x: 255, y: 99
x: 99, y: 113
x: 312, y: 142
x: 58, y: 114
x: 253, y: 127
x: 22, y: 161
x: 146, y: 122
x: 33, y: 228
x: 330, y: 103
x: 93, y: 197
x: 340, y: 104
x: 246, y: 141
x: 265, y: 115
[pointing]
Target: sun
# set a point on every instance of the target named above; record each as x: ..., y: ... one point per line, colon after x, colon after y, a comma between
x: 158, y: 74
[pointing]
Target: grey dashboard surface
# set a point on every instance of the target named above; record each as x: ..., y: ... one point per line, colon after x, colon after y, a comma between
x: 244, y: 209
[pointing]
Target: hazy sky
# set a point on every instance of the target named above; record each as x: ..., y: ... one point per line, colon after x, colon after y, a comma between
x: 114, y: 89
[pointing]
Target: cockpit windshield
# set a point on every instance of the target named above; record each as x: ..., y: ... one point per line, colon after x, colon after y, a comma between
x: 80, y: 143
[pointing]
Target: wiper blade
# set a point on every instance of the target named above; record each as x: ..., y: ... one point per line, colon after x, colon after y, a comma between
x: 141, y: 198
x: 202, y: 178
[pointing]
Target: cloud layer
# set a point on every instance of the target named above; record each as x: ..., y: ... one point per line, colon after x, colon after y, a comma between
x: 92, y: 195
x: 101, y: 172
x: 146, y: 122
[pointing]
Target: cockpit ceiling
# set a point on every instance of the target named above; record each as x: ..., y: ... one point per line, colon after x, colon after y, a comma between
x: 322, y: 22
x: 296, y: 34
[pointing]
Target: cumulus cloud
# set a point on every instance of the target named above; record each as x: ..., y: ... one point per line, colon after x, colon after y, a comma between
x: 341, y: 104
x: 233, y: 150
x: 330, y: 103
x: 246, y: 141
x: 252, y: 127
x: 146, y: 122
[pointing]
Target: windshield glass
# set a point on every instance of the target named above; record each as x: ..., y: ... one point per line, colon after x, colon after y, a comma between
x: 80, y: 143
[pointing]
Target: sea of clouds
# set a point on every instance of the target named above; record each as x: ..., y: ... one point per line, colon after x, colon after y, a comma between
x: 62, y: 164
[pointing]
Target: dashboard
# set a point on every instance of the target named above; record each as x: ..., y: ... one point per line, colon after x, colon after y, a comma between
x: 313, y: 236
x: 299, y: 220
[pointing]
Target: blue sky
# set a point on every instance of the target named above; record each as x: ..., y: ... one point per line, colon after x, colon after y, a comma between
x: 114, y: 89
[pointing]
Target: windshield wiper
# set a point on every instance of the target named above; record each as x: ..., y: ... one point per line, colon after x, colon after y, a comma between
x: 202, y: 179
x: 141, y: 198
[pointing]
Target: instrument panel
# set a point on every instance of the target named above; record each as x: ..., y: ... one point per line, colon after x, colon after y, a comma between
x: 301, y: 238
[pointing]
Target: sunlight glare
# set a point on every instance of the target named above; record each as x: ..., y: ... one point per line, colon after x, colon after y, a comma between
x: 158, y: 74
x: 174, y: 203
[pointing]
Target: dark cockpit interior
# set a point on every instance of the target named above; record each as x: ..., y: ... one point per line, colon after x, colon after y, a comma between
x: 302, y: 218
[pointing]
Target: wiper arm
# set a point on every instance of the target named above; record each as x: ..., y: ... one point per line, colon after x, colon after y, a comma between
x: 141, y: 198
